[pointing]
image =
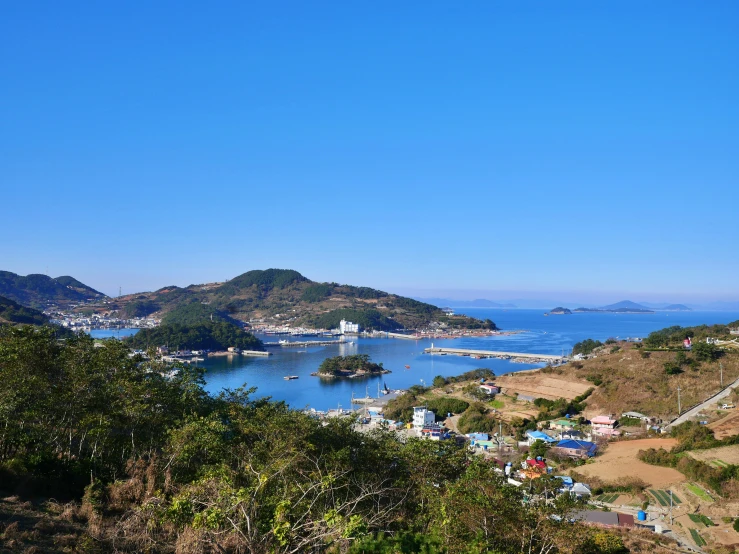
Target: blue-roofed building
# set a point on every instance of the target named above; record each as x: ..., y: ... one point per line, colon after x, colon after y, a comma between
x: 566, y: 480
x: 576, y: 449
x: 478, y: 436
x: 533, y: 436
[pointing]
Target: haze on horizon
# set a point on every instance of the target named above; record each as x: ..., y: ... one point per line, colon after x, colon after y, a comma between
x: 573, y: 151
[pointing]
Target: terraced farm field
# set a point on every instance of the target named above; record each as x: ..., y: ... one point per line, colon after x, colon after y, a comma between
x: 718, y: 457
x: 697, y: 539
x: 663, y: 497
x: 610, y: 498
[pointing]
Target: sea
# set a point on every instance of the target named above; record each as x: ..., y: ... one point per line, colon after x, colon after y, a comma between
x: 555, y: 334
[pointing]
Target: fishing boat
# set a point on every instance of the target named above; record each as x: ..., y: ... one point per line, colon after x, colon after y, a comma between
x: 407, y: 367
x: 290, y: 377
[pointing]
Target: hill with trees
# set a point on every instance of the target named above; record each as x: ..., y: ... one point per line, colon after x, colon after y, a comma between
x: 144, y: 461
x: 13, y: 313
x: 207, y: 335
x: 285, y: 297
x: 39, y: 291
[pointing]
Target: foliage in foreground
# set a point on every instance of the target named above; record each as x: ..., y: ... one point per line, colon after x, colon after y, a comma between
x: 171, y: 469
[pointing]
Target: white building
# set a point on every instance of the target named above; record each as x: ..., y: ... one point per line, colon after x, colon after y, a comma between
x: 348, y: 327
x: 422, y: 417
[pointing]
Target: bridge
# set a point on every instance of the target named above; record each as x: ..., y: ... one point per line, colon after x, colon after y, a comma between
x: 521, y: 357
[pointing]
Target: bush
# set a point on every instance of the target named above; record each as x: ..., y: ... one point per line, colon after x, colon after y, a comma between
x: 443, y: 406
x: 671, y: 368
x: 439, y: 382
x: 736, y: 525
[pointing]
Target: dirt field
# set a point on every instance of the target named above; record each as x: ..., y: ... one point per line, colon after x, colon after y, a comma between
x: 726, y: 426
x: 620, y: 461
x: 726, y: 454
x: 539, y: 385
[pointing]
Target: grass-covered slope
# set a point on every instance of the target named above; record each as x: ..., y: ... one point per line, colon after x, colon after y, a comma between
x: 645, y: 377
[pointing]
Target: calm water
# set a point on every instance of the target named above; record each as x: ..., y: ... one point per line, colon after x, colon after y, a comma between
x: 544, y: 335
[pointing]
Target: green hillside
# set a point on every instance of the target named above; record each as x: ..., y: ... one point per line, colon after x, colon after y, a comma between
x: 284, y: 296
x: 216, y: 335
x: 12, y: 312
x: 38, y: 291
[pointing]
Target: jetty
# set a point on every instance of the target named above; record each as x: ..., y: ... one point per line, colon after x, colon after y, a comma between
x: 255, y: 353
x: 304, y: 344
x: 521, y: 357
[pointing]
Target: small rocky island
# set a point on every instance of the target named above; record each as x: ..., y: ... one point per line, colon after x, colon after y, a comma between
x: 356, y: 365
x: 559, y: 310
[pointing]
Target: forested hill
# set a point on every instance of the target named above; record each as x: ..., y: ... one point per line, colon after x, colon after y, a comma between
x: 13, y: 313
x: 284, y: 296
x: 38, y: 291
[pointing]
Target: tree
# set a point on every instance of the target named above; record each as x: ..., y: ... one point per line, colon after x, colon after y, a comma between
x: 538, y: 448
x: 439, y: 382
x: 706, y: 352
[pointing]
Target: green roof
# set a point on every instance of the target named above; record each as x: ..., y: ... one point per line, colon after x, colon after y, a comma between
x: 565, y: 422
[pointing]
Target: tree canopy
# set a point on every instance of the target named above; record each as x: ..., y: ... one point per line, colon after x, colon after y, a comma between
x: 215, y: 335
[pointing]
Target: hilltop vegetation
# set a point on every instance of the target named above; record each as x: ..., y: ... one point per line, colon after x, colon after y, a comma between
x: 154, y: 464
x: 284, y: 296
x: 207, y: 335
x: 13, y: 313
x: 37, y: 291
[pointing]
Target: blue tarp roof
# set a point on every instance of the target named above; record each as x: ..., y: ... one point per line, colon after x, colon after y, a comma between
x: 538, y: 435
x: 579, y: 445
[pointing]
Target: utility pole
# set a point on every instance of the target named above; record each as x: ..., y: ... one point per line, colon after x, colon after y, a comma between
x: 721, y: 366
x: 671, y: 518
x: 679, y: 409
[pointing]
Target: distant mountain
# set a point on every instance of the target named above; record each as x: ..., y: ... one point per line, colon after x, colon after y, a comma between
x: 624, y: 305
x: 13, y: 313
x: 676, y: 308
x: 479, y: 303
x: 285, y: 297
x: 38, y: 291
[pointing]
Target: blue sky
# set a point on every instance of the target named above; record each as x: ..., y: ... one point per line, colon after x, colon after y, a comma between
x: 490, y: 148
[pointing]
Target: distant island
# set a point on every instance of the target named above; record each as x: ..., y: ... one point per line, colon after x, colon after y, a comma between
x: 356, y: 365
x: 623, y: 307
x: 559, y: 310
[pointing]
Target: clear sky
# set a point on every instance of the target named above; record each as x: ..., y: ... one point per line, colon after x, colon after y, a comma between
x: 531, y: 147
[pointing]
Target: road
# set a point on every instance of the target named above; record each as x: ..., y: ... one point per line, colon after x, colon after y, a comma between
x: 693, y: 412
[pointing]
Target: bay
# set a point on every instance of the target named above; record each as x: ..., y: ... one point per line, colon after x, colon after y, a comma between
x: 540, y: 335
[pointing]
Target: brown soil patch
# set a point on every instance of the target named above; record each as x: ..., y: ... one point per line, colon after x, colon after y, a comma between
x: 539, y: 385
x: 727, y: 426
x: 726, y: 454
x: 620, y: 461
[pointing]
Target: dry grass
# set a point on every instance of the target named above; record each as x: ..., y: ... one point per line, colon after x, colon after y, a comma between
x: 620, y: 462
x: 633, y: 383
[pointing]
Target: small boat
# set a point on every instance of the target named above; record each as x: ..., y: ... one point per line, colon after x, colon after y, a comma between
x: 407, y: 367
x: 290, y: 377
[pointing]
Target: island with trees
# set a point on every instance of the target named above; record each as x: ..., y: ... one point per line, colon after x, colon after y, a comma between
x: 559, y: 310
x: 356, y: 365
x: 206, y: 335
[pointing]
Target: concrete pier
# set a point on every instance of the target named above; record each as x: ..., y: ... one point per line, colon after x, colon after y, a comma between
x: 514, y: 356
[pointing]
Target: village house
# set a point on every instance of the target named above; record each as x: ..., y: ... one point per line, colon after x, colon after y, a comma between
x: 604, y: 426
x: 562, y: 424
x: 422, y: 417
x: 489, y: 389
x: 575, y: 449
x: 533, y: 436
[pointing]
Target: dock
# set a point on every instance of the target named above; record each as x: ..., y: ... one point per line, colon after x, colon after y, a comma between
x: 521, y: 357
x: 255, y: 353
x: 305, y: 344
